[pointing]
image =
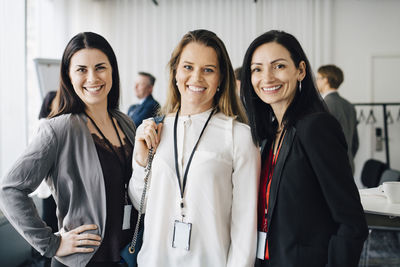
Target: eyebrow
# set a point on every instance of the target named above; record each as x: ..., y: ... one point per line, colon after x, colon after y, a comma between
x: 272, y: 62
x: 209, y: 65
x: 84, y: 66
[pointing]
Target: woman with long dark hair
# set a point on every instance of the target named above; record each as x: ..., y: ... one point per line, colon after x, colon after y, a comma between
x: 84, y: 152
x: 309, y: 210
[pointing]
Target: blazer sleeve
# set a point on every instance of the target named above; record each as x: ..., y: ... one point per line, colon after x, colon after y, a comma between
x: 245, y: 177
x: 23, y: 178
x: 325, y: 146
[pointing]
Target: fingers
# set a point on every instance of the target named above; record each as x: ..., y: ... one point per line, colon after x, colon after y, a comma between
x: 83, y: 250
x: 147, y: 132
x: 88, y: 236
x: 75, y: 241
x: 86, y: 242
x: 83, y: 228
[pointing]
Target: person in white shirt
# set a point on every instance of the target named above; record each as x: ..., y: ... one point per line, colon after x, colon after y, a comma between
x: 201, y: 205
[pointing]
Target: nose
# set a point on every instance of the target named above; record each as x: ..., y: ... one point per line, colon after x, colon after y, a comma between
x: 92, y: 76
x: 268, y: 74
x: 198, y: 75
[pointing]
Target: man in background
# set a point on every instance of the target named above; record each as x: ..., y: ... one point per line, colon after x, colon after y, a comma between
x: 329, y: 78
x: 147, y: 107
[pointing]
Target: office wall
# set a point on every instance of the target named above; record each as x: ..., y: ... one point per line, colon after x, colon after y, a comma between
x: 13, y: 101
x: 144, y: 35
x: 365, y: 44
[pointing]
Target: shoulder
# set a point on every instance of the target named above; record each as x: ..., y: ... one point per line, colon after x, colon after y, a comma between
x: 317, y: 125
x: 241, y: 129
x: 63, y: 122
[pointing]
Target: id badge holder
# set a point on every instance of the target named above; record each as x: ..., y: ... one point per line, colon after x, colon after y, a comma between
x: 261, y: 245
x: 126, y: 223
x: 182, y: 233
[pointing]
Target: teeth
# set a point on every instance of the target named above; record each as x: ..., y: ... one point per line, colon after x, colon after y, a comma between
x: 93, y: 89
x: 272, y: 88
x: 196, y: 89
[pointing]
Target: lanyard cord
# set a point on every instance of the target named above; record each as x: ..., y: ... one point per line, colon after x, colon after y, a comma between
x: 123, y: 164
x: 182, y: 187
x: 272, y: 164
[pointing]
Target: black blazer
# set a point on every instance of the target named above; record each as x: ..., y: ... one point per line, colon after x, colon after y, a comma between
x: 147, y: 109
x: 315, y: 215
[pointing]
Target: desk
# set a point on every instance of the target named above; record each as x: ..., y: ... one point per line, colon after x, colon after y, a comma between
x: 379, y: 213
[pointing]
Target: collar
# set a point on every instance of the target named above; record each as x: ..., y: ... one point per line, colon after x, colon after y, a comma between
x: 330, y: 91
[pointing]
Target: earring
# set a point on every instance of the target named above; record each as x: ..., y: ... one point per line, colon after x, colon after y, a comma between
x: 300, y: 86
x: 218, y: 89
x: 176, y: 83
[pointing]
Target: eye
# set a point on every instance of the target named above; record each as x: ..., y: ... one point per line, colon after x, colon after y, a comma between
x: 188, y: 67
x: 208, y: 70
x: 81, y: 70
x: 279, y: 66
x: 100, y: 68
x: 255, y: 69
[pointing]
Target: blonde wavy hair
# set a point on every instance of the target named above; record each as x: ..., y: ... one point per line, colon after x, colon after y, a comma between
x: 226, y: 99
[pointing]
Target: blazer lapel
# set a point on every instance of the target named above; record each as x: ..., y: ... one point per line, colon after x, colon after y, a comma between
x: 276, y: 177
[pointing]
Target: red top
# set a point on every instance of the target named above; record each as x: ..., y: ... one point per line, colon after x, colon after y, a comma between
x: 263, y: 198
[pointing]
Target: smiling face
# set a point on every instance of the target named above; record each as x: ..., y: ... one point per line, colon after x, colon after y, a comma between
x: 197, y: 77
x: 91, y: 76
x: 274, y: 75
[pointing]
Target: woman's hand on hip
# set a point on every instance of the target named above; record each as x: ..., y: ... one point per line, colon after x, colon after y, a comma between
x: 75, y: 241
x: 147, y: 136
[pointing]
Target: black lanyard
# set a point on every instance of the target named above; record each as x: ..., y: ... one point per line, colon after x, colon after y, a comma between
x: 124, y: 165
x: 182, y: 187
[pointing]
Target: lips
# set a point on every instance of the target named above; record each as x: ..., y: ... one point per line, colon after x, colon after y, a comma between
x: 195, y: 88
x: 272, y: 88
x: 93, y: 89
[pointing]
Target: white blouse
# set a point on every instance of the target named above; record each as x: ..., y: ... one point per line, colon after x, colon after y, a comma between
x: 220, y: 195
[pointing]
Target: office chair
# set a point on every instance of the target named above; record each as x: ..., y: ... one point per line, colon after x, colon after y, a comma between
x: 371, y: 172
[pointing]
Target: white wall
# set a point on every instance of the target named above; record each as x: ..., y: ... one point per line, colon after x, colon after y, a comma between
x: 365, y: 44
x: 143, y: 35
x: 13, y: 135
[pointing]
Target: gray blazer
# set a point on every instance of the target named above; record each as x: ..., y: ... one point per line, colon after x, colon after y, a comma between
x: 63, y: 153
x: 346, y: 114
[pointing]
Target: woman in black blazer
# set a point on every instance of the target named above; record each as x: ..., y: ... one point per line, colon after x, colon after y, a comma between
x: 309, y: 207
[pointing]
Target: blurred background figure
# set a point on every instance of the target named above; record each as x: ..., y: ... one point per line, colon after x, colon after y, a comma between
x: 147, y: 107
x: 47, y: 105
x: 238, y: 73
x: 329, y: 78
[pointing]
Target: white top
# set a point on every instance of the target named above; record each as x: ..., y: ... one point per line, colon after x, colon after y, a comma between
x: 374, y: 201
x: 220, y: 195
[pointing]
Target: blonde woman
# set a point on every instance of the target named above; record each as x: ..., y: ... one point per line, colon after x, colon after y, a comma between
x: 202, y: 198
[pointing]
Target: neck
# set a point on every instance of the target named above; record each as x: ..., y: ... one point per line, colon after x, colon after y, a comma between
x: 192, y: 110
x: 279, y: 112
x: 98, y: 114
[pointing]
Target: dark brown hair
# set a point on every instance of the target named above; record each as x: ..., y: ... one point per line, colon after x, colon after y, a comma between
x: 333, y: 74
x: 67, y: 100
